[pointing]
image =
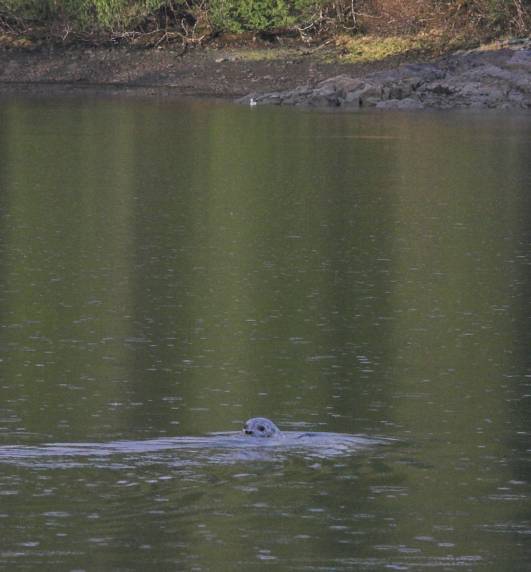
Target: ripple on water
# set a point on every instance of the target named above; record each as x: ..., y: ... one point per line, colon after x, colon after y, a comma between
x: 185, y: 451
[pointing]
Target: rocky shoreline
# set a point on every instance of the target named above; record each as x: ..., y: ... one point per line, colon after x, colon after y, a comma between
x: 492, y: 77
x: 473, y: 79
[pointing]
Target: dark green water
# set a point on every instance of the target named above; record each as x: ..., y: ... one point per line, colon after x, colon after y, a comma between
x: 170, y: 269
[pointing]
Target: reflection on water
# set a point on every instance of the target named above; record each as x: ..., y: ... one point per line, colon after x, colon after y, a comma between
x: 171, y: 269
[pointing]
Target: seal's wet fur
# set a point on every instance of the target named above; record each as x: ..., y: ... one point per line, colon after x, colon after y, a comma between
x: 260, y: 427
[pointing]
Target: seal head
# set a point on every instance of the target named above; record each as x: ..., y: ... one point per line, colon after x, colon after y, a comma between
x: 260, y: 427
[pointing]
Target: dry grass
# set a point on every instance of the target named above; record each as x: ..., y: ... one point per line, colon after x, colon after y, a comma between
x: 481, y: 18
x: 371, y: 48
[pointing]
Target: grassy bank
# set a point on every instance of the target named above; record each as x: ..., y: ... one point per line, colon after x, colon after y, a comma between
x: 159, y: 22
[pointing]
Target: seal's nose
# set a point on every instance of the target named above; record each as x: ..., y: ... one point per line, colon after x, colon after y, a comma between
x: 248, y: 431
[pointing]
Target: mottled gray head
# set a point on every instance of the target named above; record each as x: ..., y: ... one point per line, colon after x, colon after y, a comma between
x: 260, y: 427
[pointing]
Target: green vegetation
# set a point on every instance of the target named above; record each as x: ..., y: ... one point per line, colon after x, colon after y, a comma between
x: 152, y: 22
x: 369, y: 48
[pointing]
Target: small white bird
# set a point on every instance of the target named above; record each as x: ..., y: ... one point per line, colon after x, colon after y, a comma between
x: 252, y: 102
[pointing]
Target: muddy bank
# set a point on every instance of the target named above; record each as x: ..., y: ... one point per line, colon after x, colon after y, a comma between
x: 229, y: 73
x: 491, y: 79
x: 499, y: 77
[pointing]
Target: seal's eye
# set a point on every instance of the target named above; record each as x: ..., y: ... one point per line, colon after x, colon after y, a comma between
x: 261, y: 428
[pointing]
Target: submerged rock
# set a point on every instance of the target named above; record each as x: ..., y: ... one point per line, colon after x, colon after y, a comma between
x: 498, y: 79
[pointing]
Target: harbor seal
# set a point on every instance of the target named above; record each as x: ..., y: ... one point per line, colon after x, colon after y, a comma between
x: 261, y: 427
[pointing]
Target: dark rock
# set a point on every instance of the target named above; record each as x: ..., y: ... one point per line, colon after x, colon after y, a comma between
x: 498, y: 79
x: 425, y: 72
x: 520, y: 60
x: 406, y: 103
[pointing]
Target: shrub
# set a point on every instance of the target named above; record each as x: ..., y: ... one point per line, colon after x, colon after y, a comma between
x: 393, y: 17
x: 88, y: 15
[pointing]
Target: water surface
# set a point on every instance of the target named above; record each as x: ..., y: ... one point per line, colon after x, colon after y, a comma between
x: 169, y: 269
